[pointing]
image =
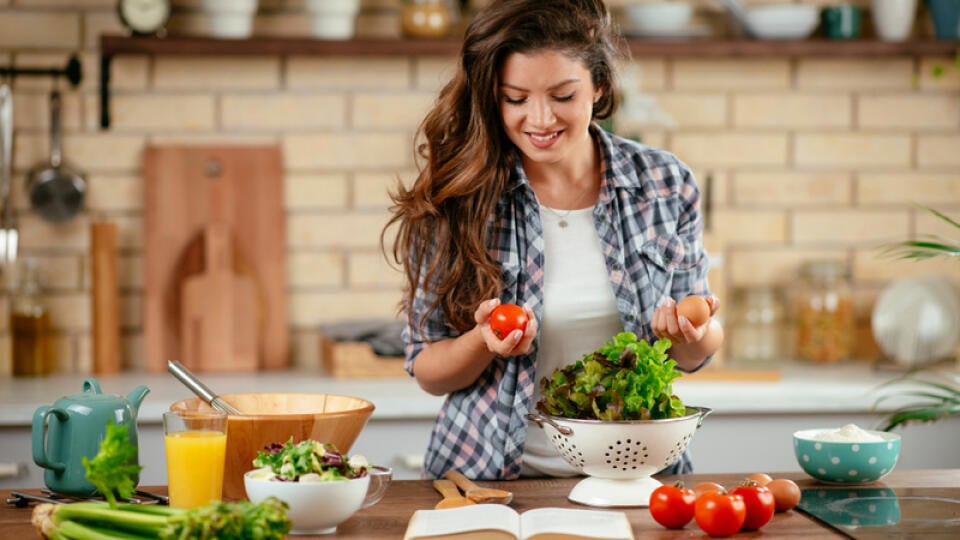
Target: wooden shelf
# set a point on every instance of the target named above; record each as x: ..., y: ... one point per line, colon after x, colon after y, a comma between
x: 112, y: 45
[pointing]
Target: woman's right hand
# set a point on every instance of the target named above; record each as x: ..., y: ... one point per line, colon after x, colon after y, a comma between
x: 516, y: 343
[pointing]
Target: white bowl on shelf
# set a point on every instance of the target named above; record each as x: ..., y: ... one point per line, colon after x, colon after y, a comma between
x: 786, y: 21
x: 231, y: 19
x: 658, y: 18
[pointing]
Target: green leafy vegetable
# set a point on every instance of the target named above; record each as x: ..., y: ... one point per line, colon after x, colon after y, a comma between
x: 625, y: 379
x: 290, y: 461
x: 113, y: 469
x: 217, y: 520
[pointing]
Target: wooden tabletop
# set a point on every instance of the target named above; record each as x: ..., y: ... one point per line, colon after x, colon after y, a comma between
x: 388, y: 519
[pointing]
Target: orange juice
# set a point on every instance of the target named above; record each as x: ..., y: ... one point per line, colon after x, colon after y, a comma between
x: 195, y: 467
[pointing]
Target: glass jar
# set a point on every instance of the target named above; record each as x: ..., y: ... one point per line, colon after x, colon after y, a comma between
x: 757, y: 326
x: 31, y: 332
x: 825, y: 319
x: 425, y: 18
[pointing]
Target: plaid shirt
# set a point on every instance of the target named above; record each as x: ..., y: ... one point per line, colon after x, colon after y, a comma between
x: 648, y: 220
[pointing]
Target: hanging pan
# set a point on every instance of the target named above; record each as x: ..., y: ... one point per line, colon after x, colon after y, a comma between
x: 56, y: 189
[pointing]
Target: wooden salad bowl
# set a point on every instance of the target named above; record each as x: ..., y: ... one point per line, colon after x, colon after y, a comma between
x: 276, y: 417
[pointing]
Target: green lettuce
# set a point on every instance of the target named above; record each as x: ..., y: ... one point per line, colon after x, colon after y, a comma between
x: 625, y: 379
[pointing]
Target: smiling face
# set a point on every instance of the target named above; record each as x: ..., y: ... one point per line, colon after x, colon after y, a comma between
x: 546, y: 104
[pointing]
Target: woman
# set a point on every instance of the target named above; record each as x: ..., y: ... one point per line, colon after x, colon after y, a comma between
x: 521, y: 198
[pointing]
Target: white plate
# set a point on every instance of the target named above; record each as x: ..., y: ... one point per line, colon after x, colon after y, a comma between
x: 917, y: 320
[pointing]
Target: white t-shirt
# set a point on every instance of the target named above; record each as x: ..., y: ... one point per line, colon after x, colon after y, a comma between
x: 579, y: 314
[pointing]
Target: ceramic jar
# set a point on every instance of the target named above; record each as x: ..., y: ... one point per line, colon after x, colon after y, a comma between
x: 332, y: 19
x: 893, y: 19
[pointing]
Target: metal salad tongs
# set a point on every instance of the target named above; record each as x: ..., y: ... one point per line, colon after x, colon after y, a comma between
x: 8, y: 226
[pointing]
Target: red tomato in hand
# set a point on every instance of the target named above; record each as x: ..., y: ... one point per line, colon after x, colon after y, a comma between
x: 506, y: 318
x: 672, y: 506
x: 720, y: 513
x: 760, y: 505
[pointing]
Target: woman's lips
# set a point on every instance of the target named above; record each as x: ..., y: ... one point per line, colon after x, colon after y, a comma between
x: 543, y: 140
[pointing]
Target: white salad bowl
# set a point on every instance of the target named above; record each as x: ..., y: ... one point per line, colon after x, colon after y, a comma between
x: 318, y: 507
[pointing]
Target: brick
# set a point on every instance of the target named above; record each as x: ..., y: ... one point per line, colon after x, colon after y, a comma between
x: 430, y: 73
x: 938, y: 151
x: 178, y: 112
x: 370, y: 189
x: 716, y: 74
x: 113, y: 193
x: 131, y: 311
x: 866, y: 151
x: 792, y: 111
x: 792, y: 189
x: 372, y: 270
x: 920, y: 111
x: 859, y: 73
x: 731, y: 149
x: 948, y: 79
x: 316, y: 191
x: 856, y: 227
x: 751, y: 226
x: 690, y: 110
x: 348, y: 150
x: 283, y: 111
x: 305, y: 350
x: 69, y: 311
x: 281, y: 24
x: 644, y: 75
x: 216, y: 72
x: 105, y: 151
x: 325, y: 269
x: 32, y: 112
x: 97, y: 23
x: 354, y: 73
x: 872, y: 265
x: 880, y: 189
x: 130, y: 271
x: 39, y: 30
x: 326, y: 231
x: 59, y: 272
x: 311, y: 308
x: 773, y: 266
x: 397, y: 111
x: 36, y: 233
x: 66, y: 354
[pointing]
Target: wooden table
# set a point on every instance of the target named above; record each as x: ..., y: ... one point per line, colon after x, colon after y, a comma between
x: 388, y: 519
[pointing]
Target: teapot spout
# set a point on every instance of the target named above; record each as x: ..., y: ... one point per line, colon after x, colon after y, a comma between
x: 136, y: 396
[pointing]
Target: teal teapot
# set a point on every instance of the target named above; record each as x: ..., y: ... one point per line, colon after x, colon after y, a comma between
x: 74, y: 427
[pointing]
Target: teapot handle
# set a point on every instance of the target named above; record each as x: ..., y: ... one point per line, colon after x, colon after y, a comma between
x: 91, y: 384
x: 39, y: 437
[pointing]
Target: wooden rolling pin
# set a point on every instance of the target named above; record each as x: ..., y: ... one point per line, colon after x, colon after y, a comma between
x: 106, y: 298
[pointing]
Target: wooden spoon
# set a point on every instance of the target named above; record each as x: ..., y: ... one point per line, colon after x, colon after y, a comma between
x: 476, y: 493
x: 451, y: 495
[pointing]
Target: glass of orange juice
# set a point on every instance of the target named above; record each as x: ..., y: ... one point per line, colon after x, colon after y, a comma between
x: 196, y: 444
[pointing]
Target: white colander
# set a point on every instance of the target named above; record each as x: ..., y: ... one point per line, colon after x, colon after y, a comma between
x: 619, y: 457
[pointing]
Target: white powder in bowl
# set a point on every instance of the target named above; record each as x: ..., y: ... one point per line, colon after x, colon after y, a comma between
x: 848, y: 433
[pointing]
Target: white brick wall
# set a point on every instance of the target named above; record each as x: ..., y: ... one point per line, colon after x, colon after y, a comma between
x: 811, y: 157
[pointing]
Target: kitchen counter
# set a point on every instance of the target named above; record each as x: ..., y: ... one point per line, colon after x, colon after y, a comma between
x: 755, y: 413
x: 388, y: 518
x: 793, y: 388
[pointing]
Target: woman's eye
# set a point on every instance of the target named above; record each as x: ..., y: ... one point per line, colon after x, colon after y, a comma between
x: 513, y: 101
x: 567, y: 97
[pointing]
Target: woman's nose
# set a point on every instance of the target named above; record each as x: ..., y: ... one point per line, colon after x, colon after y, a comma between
x: 541, y: 113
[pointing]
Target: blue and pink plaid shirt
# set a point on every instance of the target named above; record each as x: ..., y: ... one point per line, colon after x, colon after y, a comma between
x: 648, y: 220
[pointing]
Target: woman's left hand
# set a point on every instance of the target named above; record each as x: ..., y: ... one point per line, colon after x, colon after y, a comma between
x: 667, y: 324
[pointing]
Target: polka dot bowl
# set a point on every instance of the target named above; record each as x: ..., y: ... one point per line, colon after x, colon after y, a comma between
x: 846, y: 463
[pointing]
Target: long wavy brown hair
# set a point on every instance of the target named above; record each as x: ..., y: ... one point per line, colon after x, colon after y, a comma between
x: 465, y: 158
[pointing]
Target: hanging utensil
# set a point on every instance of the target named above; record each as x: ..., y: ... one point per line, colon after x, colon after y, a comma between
x: 56, y: 190
x: 200, y: 389
x: 8, y: 226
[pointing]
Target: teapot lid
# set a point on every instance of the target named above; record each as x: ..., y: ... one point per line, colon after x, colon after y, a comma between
x: 91, y: 393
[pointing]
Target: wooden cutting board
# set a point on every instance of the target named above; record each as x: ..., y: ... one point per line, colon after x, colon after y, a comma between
x: 187, y: 189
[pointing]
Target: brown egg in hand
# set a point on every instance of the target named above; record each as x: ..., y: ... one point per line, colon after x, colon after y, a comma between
x: 695, y: 309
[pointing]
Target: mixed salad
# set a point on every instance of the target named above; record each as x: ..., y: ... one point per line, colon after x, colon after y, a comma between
x: 307, y: 461
x: 625, y: 379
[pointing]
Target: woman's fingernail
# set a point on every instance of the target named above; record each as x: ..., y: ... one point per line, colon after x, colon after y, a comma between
x: 494, y: 302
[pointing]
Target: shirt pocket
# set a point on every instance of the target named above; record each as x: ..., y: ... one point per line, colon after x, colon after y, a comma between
x: 660, y: 257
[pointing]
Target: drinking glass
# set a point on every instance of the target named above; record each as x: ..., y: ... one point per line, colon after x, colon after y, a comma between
x: 196, y: 444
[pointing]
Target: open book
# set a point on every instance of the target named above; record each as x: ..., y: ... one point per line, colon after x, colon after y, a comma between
x: 500, y: 522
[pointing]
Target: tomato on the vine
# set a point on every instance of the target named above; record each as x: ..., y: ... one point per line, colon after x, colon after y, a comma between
x: 506, y: 318
x: 720, y: 513
x: 759, y: 502
x: 672, y: 505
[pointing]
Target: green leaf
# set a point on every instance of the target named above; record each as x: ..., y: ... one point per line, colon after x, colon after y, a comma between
x: 113, y: 469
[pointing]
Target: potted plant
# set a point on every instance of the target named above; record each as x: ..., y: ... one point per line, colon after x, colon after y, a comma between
x: 929, y: 395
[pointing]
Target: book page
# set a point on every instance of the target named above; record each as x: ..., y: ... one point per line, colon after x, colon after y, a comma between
x: 574, y: 524
x: 479, y: 521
